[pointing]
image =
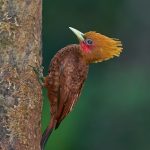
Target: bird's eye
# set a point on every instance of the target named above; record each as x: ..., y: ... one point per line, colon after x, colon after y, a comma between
x: 89, y: 41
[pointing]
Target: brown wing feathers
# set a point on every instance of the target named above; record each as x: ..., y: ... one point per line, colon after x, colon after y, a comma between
x: 72, y: 72
x: 67, y: 74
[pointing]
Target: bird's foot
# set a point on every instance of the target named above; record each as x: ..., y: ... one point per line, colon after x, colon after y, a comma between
x: 39, y: 73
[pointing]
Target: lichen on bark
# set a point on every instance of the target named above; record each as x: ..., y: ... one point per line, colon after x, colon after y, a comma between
x: 20, y: 92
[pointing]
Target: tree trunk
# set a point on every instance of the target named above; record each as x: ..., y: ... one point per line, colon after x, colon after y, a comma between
x: 20, y: 91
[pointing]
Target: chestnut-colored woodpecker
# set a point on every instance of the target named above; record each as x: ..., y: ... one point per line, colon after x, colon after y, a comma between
x: 68, y: 70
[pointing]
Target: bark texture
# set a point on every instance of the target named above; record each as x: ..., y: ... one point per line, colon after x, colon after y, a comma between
x: 20, y: 92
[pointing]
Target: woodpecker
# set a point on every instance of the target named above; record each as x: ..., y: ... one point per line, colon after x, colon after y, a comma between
x: 68, y: 71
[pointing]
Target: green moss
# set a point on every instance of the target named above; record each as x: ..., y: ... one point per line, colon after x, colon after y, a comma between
x: 1, y: 4
x: 5, y: 40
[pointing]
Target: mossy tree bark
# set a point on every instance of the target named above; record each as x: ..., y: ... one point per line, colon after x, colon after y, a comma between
x: 20, y: 91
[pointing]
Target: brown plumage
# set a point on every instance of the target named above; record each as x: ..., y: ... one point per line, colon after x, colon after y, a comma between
x: 64, y: 82
x: 68, y: 71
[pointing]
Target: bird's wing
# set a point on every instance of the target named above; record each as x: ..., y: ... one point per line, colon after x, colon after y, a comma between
x: 72, y: 77
x: 66, y: 104
x: 67, y: 74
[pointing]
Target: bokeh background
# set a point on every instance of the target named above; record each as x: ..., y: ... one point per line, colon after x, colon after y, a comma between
x: 113, y: 111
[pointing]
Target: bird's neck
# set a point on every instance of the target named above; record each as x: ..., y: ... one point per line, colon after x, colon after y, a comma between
x: 89, y: 56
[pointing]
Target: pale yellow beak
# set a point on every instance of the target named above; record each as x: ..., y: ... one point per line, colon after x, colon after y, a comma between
x: 79, y: 34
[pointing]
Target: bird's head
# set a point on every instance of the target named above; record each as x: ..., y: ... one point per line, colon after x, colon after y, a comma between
x: 96, y: 47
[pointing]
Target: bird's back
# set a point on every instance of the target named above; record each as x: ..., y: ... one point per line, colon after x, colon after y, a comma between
x: 67, y: 73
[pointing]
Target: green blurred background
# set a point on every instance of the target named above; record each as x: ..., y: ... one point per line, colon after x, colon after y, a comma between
x: 113, y: 110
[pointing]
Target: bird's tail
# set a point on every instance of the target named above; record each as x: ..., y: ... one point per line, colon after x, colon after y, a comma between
x: 47, y: 134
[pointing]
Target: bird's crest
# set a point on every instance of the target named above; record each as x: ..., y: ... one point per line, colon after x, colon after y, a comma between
x: 103, y: 47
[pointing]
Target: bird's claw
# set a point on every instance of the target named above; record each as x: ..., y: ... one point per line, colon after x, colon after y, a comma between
x: 38, y: 72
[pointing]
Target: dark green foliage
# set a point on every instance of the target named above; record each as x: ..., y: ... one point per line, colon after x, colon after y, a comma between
x: 113, y: 110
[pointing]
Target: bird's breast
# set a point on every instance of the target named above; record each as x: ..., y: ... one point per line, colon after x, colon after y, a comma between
x: 67, y: 68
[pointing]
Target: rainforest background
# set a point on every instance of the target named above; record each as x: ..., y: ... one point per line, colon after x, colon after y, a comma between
x: 113, y: 111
